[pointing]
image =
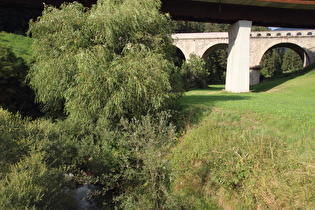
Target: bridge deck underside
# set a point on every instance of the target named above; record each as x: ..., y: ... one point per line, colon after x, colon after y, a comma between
x: 293, y: 4
x: 280, y: 13
x: 208, y: 11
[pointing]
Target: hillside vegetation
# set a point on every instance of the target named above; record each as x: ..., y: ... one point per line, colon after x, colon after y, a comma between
x: 114, y: 117
x: 251, y: 150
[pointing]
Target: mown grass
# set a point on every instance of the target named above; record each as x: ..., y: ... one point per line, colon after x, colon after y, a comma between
x: 251, y: 150
x: 21, y: 45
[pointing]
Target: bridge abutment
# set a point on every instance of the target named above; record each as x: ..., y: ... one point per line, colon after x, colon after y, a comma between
x: 237, y: 72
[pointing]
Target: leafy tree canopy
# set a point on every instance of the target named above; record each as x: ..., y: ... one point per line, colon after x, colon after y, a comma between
x: 110, y: 61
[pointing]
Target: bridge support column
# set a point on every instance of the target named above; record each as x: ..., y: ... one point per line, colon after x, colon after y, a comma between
x: 237, y: 72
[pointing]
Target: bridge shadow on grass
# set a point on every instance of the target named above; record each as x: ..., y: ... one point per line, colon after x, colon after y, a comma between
x: 269, y: 84
x: 278, y: 80
x: 195, y: 107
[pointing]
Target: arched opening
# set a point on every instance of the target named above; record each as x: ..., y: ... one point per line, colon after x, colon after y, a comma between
x: 288, y: 34
x: 269, y: 34
x: 299, y: 34
x: 309, y: 33
x: 282, y: 59
x: 216, y: 62
x: 278, y: 34
x: 179, y: 57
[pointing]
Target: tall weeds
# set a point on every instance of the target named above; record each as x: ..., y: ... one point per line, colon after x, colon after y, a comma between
x: 234, y: 161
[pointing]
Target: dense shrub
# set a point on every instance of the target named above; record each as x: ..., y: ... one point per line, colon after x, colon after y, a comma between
x: 194, y: 73
x: 13, y: 139
x: 31, y: 184
x: 33, y: 163
x: 216, y: 64
x: 145, y: 170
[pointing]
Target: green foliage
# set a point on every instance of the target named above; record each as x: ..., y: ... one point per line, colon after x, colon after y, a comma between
x: 260, y: 28
x: 197, y: 27
x: 99, y: 66
x: 143, y: 148
x: 122, y: 88
x: 194, y: 73
x: 271, y: 63
x: 12, y: 140
x: 279, y: 61
x: 108, y: 61
x: 59, y: 35
x: 32, y: 161
x: 200, y: 27
x: 31, y: 184
x: 291, y: 61
x: 216, y: 64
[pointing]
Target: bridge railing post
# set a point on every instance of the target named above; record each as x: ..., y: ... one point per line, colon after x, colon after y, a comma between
x: 237, y: 75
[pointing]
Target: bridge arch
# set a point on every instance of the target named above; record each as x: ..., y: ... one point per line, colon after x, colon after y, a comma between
x: 181, y: 48
x: 180, y: 57
x: 215, y: 58
x: 305, y: 54
x: 213, y: 48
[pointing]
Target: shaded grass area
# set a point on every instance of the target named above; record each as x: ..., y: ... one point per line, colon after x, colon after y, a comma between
x: 249, y: 151
x: 273, y: 82
x: 21, y: 45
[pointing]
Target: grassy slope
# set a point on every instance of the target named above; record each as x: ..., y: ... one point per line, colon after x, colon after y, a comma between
x: 21, y: 45
x: 292, y: 100
x: 251, y: 150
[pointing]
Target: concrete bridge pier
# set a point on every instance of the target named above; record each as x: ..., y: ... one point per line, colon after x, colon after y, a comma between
x: 237, y: 71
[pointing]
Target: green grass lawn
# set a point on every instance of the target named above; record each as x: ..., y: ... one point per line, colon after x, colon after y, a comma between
x: 21, y: 45
x: 249, y: 150
x: 289, y: 100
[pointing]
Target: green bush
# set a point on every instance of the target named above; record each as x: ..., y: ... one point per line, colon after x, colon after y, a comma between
x: 13, y: 139
x: 145, y: 170
x: 33, y: 155
x: 31, y: 184
x: 194, y: 73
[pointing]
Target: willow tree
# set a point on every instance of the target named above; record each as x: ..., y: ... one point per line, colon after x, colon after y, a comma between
x: 110, y: 61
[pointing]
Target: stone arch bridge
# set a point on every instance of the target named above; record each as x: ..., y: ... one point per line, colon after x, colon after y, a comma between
x: 202, y: 44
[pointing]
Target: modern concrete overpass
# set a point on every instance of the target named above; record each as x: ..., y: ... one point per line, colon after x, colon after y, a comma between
x: 202, y: 44
x: 278, y: 13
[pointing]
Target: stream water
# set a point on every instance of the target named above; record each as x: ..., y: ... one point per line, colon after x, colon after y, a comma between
x: 83, y: 194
